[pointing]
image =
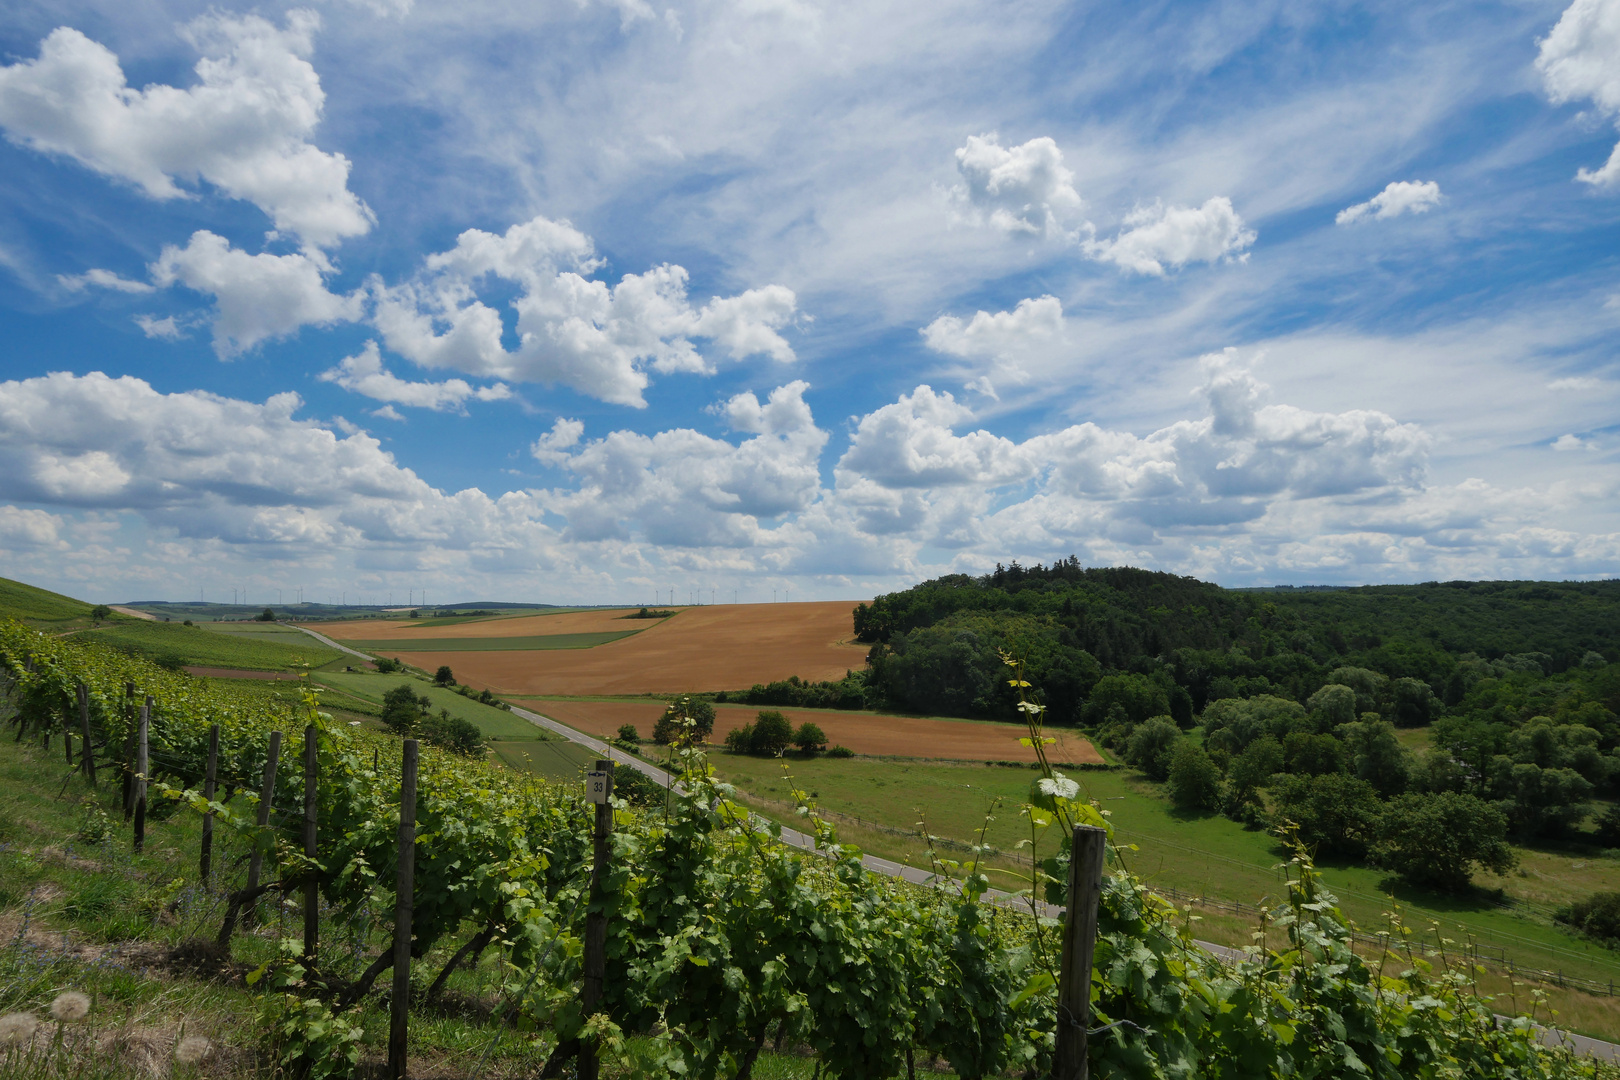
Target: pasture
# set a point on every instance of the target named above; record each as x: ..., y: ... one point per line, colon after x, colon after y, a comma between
x: 369, y: 686
x: 219, y: 645
x: 1195, y: 853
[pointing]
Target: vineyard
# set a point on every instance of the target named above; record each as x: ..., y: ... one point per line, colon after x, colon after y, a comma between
x: 718, y: 945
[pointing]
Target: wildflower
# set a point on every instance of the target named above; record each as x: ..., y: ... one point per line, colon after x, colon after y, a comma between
x: 70, y: 1006
x: 193, y: 1049
x: 16, y: 1028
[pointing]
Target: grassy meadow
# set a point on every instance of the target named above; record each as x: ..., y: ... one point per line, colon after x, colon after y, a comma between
x: 370, y: 686
x: 226, y: 645
x: 1199, y: 854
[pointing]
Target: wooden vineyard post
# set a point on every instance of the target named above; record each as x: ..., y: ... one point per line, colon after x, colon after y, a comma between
x: 400, y: 1006
x: 142, y: 764
x: 210, y: 776
x: 87, y: 757
x: 312, y: 885
x: 1079, y: 941
x: 599, y: 790
x: 67, y: 738
x: 129, y: 751
x: 266, y: 796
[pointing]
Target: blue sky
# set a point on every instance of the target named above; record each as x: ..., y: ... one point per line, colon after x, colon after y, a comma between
x: 589, y: 301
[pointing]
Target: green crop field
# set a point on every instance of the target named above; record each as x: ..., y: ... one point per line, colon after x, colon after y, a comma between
x: 38, y: 607
x: 370, y: 687
x: 555, y: 759
x: 1201, y: 853
x: 501, y: 644
x: 209, y: 648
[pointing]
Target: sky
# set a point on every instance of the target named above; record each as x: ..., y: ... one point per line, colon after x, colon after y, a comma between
x: 620, y: 301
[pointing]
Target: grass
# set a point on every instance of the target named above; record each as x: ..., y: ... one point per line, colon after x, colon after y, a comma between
x: 1205, y: 854
x: 555, y: 759
x: 206, y: 647
x: 369, y: 687
x: 494, y: 644
x: 40, y: 607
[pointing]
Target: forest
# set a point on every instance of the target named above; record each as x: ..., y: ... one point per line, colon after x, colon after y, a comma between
x: 1298, y: 703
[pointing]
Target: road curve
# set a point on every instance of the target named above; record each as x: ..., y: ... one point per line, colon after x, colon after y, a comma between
x: 887, y: 867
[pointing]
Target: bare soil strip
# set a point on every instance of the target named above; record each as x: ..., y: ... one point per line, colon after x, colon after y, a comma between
x: 724, y: 647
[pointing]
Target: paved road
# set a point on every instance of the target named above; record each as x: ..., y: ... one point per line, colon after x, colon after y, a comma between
x: 1580, y: 1043
x: 324, y: 640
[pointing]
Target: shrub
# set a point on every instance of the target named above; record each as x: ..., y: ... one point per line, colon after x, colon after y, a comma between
x: 265, y: 616
x: 771, y: 735
x: 635, y: 787
x: 444, y: 676
x: 1248, y: 773
x: 1336, y: 814
x: 1195, y: 782
x: 403, y: 710
x: 386, y: 666
x: 738, y: 739
x: 452, y: 733
x: 1598, y: 916
x: 1313, y: 755
x: 1608, y: 828
x: 809, y: 738
x: 1151, y: 745
x: 669, y: 726
x: 1438, y: 840
x: 840, y: 752
x: 629, y: 734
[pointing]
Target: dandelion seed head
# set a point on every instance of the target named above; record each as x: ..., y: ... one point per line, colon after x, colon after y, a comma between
x: 70, y: 1006
x: 192, y: 1050
x: 17, y: 1027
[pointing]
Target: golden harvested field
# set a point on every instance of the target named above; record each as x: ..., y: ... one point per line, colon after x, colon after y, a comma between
x: 724, y: 647
x: 567, y: 622
x: 899, y: 736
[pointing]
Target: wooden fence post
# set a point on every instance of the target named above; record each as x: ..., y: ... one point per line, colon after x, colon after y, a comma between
x: 142, y: 765
x: 400, y: 1007
x: 1079, y: 941
x: 67, y: 737
x: 129, y: 751
x: 312, y: 885
x: 599, y: 790
x: 205, y: 861
x: 267, y: 795
x: 87, y: 756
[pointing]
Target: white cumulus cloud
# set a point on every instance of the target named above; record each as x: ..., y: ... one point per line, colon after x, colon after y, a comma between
x: 1158, y: 236
x: 1579, y: 61
x: 1019, y: 189
x: 1399, y: 197
x: 244, y: 127
x: 364, y: 373
x: 686, y: 489
x: 259, y: 297
x: 572, y: 329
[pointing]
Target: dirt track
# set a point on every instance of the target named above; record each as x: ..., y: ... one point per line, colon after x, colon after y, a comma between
x: 725, y: 647
x: 568, y: 622
x: 900, y: 736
